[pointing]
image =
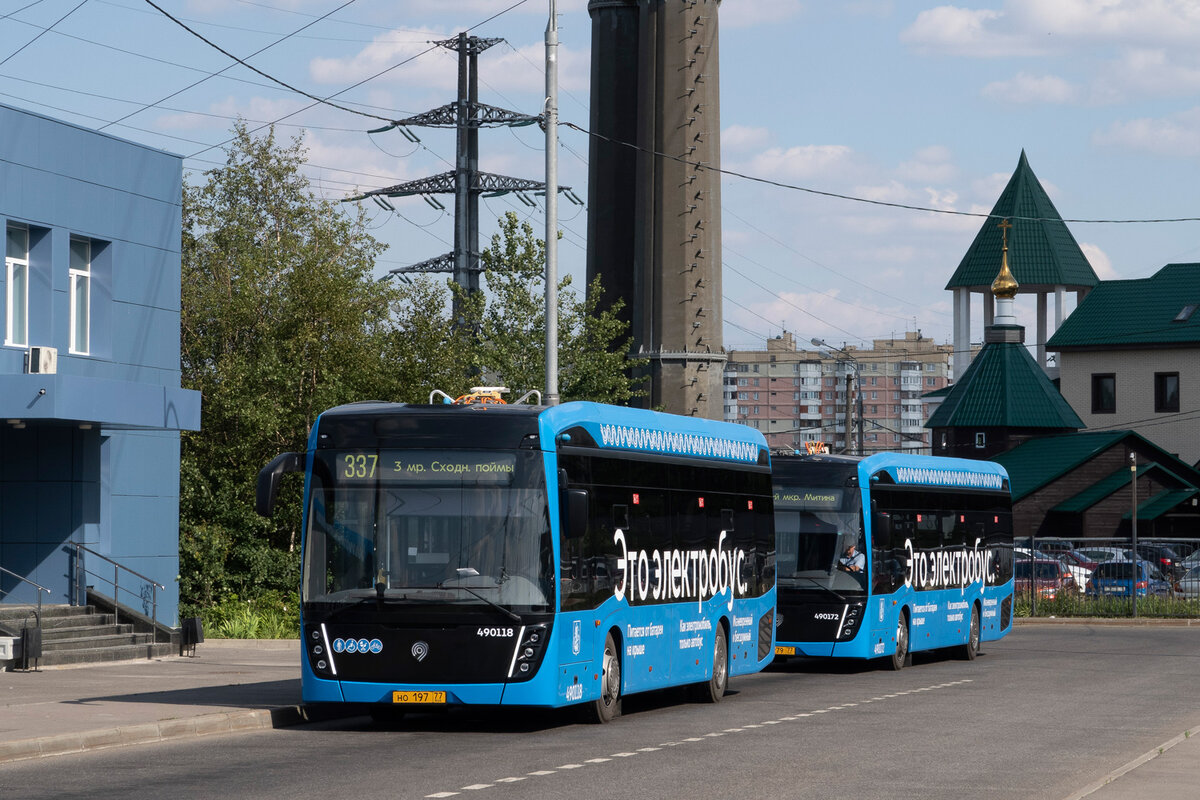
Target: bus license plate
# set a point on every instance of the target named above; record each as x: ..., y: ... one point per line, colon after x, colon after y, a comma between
x: 419, y: 698
x: 785, y: 651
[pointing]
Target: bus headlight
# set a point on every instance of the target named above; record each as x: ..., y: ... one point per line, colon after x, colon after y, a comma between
x: 528, y: 652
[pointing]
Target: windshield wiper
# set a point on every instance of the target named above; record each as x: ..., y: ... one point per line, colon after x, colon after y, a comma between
x: 471, y: 572
x: 361, y: 601
x: 820, y: 586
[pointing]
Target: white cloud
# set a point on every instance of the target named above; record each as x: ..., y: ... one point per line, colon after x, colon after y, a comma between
x: 803, y: 161
x: 1115, y: 20
x: 743, y: 137
x: 1101, y: 264
x: 1141, y: 72
x: 1033, y: 27
x: 1175, y: 136
x: 931, y: 164
x: 430, y: 69
x: 1029, y: 89
x: 751, y: 13
x: 981, y: 33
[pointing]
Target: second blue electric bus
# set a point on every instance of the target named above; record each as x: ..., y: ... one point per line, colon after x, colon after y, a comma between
x: 883, y: 555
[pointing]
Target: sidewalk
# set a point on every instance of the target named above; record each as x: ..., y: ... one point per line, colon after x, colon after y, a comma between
x: 228, y: 685
x: 1170, y: 771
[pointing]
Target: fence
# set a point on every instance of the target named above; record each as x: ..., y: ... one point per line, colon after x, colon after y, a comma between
x: 1096, y: 578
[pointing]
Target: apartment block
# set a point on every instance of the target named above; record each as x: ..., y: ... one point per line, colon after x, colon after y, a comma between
x: 801, y: 396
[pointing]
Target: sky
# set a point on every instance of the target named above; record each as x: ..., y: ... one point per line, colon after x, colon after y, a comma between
x: 899, y: 101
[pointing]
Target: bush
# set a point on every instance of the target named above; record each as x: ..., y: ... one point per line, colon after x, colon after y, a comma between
x: 271, y: 615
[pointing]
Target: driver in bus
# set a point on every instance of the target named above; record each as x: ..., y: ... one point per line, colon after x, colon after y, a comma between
x: 852, y: 560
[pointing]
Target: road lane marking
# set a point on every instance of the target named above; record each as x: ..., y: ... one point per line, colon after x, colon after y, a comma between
x: 752, y: 726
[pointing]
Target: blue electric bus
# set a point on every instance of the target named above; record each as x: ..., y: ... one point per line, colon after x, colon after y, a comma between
x: 892, y: 553
x: 484, y: 553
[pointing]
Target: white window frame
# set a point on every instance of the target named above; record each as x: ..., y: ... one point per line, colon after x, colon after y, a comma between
x: 81, y: 280
x: 14, y: 266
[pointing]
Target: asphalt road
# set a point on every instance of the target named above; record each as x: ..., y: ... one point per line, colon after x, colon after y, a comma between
x: 1041, y: 714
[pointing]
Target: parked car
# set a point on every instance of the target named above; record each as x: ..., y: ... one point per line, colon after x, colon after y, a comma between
x: 1185, y: 549
x: 1188, y: 587
x: 1081, y: 567
x: 1046, y: 545
x: 1191, y: 561
x: 1102, y: 554
x: 1114, y: 579
x: 1163, y: 557
x: 1052, y: 578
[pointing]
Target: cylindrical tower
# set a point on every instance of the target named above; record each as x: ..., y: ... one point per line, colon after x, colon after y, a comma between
x: 673, y: 202
x: 612, y: 174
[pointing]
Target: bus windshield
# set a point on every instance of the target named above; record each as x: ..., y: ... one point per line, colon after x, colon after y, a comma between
x: 818, y: 534
x: 450, y: 527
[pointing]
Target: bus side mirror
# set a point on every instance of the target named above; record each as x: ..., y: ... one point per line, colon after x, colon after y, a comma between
x: 577, y: 513
x: 269, y: 477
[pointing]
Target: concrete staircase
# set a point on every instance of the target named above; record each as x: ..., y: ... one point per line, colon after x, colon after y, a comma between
x: 82, y: 635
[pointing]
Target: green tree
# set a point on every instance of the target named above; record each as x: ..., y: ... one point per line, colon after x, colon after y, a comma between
x: 593, y: 349
x: 281, y: 319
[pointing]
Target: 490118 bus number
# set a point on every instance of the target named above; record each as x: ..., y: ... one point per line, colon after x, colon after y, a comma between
x: 497, y: 633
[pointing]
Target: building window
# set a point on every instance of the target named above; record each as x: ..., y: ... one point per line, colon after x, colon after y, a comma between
x: 1104, y: 393
x: 16, y: 264
x: 981, y: 440
x: 1166, y: 392
x: 81, y: 291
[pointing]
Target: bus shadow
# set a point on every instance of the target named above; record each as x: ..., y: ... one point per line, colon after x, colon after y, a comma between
x: 507, y: 719
x: 849, y: 666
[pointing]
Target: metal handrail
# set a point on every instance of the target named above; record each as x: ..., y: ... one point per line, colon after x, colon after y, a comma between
x: 38, y: 586
x: 116, y: 583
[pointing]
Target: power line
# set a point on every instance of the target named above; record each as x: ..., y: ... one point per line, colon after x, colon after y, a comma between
x: 42, y: 33
x: 214, y: 74
x: 288, y: 86
x: 788, y: 247
x: 868, y: 201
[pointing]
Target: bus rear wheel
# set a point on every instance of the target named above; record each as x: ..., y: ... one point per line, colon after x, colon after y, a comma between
x: 971, y: 648
x: 712, y: 690
x: 608, y: 705
x: 900, y: 657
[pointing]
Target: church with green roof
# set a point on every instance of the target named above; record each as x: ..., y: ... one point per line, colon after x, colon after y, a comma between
x: 1046, y: 261
x: 1070, y: 472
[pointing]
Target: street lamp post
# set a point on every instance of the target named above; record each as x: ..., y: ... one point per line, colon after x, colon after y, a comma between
x: 854, y: 365
x: 1133, y: 530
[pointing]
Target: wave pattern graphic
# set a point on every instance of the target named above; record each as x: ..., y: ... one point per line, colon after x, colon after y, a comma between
x: 949, y: 477
x: 687, y: 444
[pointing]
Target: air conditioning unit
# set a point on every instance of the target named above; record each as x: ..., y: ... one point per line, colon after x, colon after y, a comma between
x: 41, y: 361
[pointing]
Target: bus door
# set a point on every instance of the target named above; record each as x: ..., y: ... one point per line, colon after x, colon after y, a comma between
x: 887, y: 535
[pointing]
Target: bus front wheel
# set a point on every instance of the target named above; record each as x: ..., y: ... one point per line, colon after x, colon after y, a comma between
x: 712, y: 690
x: 971, y: 648
x: 900, y: 657
x: 608, y: 705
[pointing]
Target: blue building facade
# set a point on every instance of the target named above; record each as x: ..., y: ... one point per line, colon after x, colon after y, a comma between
x: 91, y: 407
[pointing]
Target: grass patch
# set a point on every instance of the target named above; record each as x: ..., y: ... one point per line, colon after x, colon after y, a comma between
x: 1108, y: 607
x: 271, y: 615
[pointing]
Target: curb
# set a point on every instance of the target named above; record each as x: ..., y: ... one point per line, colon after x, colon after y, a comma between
x: 163, y: 730
x: 1109, y: 621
